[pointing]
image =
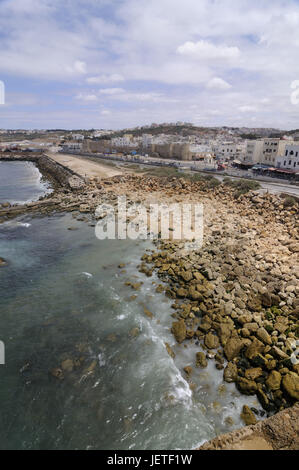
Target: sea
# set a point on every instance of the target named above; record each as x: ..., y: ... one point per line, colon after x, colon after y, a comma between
x: 85, y: 367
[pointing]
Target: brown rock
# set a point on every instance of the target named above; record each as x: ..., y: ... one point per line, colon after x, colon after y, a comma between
x: 230, y: 373
x: 232, y: 348
x: 246, y: 386
x: 254, y: 373
x: 264, y: 336
x: 179, y: 330
x: 211, y: 341
x: 248, y: 416
x: 273, y: 380
x: 169, y: 350
x: 201, y: 360
x: 290, y: 383
x: 254, y: 349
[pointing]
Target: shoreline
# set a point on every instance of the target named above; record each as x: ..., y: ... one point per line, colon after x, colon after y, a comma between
x: 242, y: 308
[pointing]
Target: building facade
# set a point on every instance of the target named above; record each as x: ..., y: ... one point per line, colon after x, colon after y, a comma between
x: 290, y: 159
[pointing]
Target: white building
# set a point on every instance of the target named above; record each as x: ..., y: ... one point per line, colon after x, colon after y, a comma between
x: 253, y: 152
x: 272, y: 148
x: 290, y: 159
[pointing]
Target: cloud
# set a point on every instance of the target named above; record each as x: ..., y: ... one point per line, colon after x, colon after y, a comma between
x: 86, y: 97
x: 101, y: 79
x: 217, y: 83
x: 111, y: 91
x: 247, y: 109
x: 204, y: 50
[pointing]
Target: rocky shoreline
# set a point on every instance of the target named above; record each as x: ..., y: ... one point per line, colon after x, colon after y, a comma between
x: 236, y: 297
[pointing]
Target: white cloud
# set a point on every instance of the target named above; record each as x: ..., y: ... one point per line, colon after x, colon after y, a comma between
x: 217, y: 83
x: 205, y: 50
x: 111, y: 91
x: 115, y: 77
x: 86, y: 97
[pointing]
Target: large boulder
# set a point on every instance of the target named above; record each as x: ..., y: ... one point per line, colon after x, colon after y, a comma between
x: 179, y: 330
x: 248, y: 416
x: 211, y: 341
x: 233, y: 348
x: 290, y: 383
x: 201, y: 360
x: 230, y: 373
x: 246, y: 386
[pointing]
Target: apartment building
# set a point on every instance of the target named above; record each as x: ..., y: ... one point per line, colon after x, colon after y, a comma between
x: 290, y: 159
x: 253, y: 152
x: 272, y: 149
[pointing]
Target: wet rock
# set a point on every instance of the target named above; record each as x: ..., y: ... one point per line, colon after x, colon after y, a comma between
x: 211, y: 341
x: 57, y: 373
x: 248, y: 387
x: 201, y: 360
x: 134, y: 332
x: 188, y: 370
x: 179, y: 330
x: 67, y: 365
x: 230, y: 373
x: 248, y: 416
x: 277, y: 352
x: 148, y: 313
x: 3, y: 262
x: 290, y: 383
x: 170, y: 350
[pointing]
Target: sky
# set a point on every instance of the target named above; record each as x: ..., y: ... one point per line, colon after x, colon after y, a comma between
x: 115, y: 64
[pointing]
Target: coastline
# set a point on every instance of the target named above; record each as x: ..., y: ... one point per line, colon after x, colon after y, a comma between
x: 207, y: 311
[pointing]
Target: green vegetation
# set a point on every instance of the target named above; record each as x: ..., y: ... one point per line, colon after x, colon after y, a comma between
x: 289, y: 201
x: 241, y: 186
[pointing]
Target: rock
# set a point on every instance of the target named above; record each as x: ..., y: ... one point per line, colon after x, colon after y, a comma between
x: 279, y: 353
x: 264, y: 336
x: 134, y: 332
x: 254, y: 304
x: 224, y: 331
x: 266, y: 299
x: 254, y: 349
x: 3, y: 262
x: 201, y: 360
x: 181, y: 292
x: 263, y: 399
x: 248, y: 416
x: 232, y: 348
x: 169, y: 350
x: 254, y: 373
x: 188, y: 370
x: 84, y: 208
x: 67, y: 365
x: 57, y: 373
x: 273, y: 380
x: 290, y: 384
x: 230, y: 373
x: 179, y: 330
x: 90, y: 369
x: 148, y: 313
x: 211, y: 341
x: 248, y: 387
x: 187, y: 275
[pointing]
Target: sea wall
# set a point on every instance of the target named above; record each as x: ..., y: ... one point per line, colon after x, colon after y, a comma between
x: 279, y: 432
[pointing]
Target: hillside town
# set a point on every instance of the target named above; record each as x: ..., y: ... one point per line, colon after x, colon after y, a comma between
x: 267, y: 152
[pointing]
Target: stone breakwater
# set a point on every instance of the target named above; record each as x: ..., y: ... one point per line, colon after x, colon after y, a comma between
x: 236, y: 297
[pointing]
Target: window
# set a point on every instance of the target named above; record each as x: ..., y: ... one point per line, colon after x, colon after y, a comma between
x: 287, y: 153
x: 284, y: 163
x: 294, y: 163
x: 290, y: 162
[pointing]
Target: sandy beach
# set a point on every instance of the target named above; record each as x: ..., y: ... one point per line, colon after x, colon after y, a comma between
x: 83, y: 167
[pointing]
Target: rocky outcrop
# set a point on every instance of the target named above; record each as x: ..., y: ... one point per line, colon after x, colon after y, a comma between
x: 280, y: 432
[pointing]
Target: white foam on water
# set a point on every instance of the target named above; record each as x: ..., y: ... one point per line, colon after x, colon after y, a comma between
x: 87, y: 274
